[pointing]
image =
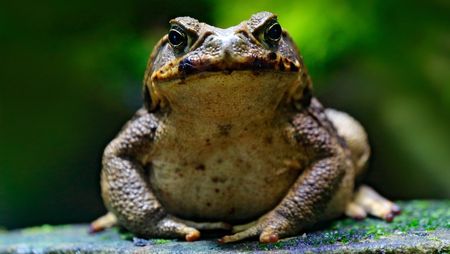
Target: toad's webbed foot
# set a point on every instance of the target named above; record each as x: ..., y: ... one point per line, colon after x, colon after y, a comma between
x: 368, y: 201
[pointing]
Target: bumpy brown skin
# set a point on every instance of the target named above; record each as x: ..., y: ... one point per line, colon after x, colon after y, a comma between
x: 229, y: 120
x: 125, y: 190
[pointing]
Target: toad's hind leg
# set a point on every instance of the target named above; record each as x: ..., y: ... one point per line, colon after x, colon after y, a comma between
x: 354, y: 135
x: 366, y: 200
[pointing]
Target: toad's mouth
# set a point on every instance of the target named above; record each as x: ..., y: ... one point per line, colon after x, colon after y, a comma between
x: 186, y: 67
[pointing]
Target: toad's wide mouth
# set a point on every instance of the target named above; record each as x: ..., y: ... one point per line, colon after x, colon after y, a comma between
x: 186, y: 67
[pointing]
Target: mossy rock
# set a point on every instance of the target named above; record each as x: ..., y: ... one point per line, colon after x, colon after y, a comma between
x: 423, y: 226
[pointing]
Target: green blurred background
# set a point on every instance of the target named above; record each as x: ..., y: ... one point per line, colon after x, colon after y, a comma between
x: 71, y: 75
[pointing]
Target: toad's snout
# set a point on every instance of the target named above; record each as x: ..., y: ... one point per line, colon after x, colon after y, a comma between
x: 228, y: 47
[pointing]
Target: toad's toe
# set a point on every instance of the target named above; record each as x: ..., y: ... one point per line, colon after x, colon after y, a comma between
x: 194, y: 235
x: 266, y: 237
x: 106, y: 221
x: 247, y: 233
x: 372, y: 203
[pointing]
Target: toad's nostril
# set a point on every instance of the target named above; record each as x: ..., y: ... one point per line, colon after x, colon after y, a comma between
x: 186, y: 67
x: 209, y: 38
x: 272, y: 56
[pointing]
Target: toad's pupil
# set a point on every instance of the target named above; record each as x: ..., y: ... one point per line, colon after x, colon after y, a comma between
x: 274, y: 32
x: 175, y: 37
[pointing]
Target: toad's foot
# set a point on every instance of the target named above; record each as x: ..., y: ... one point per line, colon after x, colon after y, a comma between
x: 174, y: 227
x: 269, y: 228
x: 106, y: 221
x: 247, y: 233
x: 368, y: 201
x: 190, y: 228
x: 170, y: 224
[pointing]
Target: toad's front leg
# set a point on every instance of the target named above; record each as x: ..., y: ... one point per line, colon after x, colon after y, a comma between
x: 128, y: 196
x: 302, y: 207
x: 308, y: 198
x: 125, y: 189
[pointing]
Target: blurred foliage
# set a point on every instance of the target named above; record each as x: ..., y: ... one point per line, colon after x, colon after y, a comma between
x: 71, y: 76
x: 323, y: 30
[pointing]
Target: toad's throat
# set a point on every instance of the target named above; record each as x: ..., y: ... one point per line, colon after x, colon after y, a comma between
x: 187, y: 67
x: 236, y: 94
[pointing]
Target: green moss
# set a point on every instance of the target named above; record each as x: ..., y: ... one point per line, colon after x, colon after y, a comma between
x: 434, y: 238
x: 376, y: 231
x: 264, y: 247
x: 161, y: 241
x: 284, y: 244
x: 417, y: 216
x: 38, y: 229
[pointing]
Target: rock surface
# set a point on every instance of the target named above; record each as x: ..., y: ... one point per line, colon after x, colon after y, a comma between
x: 423, y: 226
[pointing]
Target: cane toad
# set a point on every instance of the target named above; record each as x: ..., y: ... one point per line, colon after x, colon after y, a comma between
x: 231, y: 137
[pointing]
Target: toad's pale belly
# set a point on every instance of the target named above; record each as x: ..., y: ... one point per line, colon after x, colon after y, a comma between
x: 211, y: 176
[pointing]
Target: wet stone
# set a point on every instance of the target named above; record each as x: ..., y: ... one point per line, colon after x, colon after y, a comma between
x: 423, y: 226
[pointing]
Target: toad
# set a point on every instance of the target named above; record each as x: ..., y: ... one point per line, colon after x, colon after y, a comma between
x: 231, y: 137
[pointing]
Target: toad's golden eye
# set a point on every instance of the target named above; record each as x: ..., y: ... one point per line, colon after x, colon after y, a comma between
x: 177, y: 37
x: 273, y: 33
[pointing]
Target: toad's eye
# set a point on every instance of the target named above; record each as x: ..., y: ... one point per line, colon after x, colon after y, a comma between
x: 177, y: 37
x: 273, y: 33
